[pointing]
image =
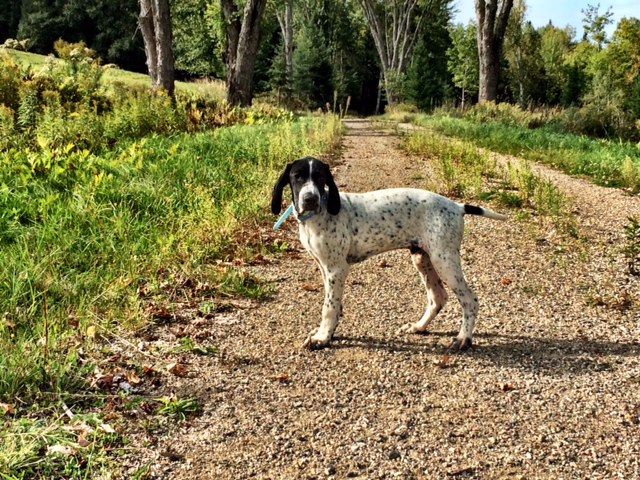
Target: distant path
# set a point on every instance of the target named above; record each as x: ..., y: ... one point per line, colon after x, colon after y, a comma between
x: 552, y: 389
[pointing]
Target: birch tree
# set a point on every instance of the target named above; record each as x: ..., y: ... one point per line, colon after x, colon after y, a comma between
x: 394, y: 26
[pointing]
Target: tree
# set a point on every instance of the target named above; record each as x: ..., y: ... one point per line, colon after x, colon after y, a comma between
x: 198, y: 43
x: 285, y: 20
x: 155, y: 25
x: 428, y: 79
x: 594, y: 24
x: 492, y: 17
x: 106, y: 26
x: 242, y: 46
x: 522, y: 46
x: 554, y: 48
x: 462, y: 59
x: 395, y: 25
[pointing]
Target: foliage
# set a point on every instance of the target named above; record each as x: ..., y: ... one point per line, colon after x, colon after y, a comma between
x: 197, y: 37
x: 106, y: 26
x: 610, y: 163
x: 594, y: 24
x: 463, y: 58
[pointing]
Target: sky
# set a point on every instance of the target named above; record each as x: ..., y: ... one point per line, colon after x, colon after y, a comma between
x: 560, y: 12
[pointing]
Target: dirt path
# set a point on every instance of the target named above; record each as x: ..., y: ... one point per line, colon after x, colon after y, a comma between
x: 550, y: 390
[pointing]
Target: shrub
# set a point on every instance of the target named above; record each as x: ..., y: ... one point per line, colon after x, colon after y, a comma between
x: 10, y: 80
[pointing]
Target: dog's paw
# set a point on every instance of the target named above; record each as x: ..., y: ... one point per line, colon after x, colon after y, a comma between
x: 410, y: 328
x: 461, y: 344
x: 313, y: 342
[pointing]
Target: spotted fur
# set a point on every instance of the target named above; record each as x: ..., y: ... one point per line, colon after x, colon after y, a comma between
x: 351, y: 227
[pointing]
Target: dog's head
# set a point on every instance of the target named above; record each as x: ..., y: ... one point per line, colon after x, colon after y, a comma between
x: 311, y: 182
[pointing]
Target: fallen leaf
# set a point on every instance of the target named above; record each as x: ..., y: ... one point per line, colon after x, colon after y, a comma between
x: 7, y: 408
x: 104, y: 381
x: 105, y: 427
x: 91, y: 331
x: 446, y: 361
x: 506, y: 281
x: 309, y: 287
x: 148, y: 370
x: 133, y: 378
x: 83, y: 442
x: 384, y: 264
x: 178, y: 369
x: 61, y: 449
x: 283, y: 378
x: 508, y: 387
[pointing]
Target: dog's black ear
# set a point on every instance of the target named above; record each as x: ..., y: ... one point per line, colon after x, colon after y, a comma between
x: 276, y: 196
x: 333, y: 199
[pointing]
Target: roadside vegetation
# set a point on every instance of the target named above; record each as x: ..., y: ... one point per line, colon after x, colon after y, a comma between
x: 511, y: 130
x: 112, y: 199
x: 464, y: 172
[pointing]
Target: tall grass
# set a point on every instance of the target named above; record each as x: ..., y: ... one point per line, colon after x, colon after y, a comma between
x: 83, y: 234
x: 607, y: 162
x: 461, y: 171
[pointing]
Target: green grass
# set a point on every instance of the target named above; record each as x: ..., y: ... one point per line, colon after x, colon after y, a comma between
x: 89, y: 239
x: 209, y: 89
x: 607, y: 162
x: 463, y: 172
x: 82, y: 237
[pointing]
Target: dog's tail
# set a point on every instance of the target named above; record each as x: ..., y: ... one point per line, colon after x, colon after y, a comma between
x: 483, y: 212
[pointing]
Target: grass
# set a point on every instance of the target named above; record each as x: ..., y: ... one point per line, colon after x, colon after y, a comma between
x: 608, y: 162
x: 207, y: 88
x: 79, y: 244
x: 93, y: 238
x: 461, y: 171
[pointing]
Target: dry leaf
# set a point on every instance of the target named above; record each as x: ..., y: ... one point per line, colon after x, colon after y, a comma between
x: 61, y: 449
x: 309, y: 287
x: 133, y: 378
x: 508, y: 387
x: 506, y: 281
x: 83, y: 442
x: 446, y: 361
x: 384, y: 264
x: 91, y: 331
x: 178, y: 369
x: 105, y: 427
x: 7, y: 408
x: 104, y: 381
x: 283, y: 378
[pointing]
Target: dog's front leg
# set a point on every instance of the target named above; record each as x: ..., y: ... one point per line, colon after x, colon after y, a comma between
x: 334, y: 278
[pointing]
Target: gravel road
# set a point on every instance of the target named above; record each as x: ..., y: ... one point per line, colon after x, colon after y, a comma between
x: 551, y: 388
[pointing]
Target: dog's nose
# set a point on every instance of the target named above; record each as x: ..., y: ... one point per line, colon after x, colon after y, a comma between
x: 310, y: 201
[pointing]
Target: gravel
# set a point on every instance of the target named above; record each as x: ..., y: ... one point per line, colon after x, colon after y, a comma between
x: 551, y: 388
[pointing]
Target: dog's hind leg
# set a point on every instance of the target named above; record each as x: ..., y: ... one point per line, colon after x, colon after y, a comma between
x: 446, y: 262
x: 436, y: 294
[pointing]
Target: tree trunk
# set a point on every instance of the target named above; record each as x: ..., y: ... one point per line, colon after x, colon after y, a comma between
x: 394, y: 26
x: 492, y: 25
x: 166, y: 66
x: 149, y: 38
x: 286, y: 26
x: 155, y: 25
x: 241, y: 59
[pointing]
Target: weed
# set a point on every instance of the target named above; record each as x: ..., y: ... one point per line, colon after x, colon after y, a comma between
x: 188, y: 345
x: 178, y: 408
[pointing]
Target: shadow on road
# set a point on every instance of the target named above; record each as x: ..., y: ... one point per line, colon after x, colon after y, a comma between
x: 550, y: 355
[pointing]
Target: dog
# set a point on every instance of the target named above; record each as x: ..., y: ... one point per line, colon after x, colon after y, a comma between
x: 342, y: 229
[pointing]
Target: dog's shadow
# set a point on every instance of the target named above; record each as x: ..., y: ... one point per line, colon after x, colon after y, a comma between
x: 549, y: 355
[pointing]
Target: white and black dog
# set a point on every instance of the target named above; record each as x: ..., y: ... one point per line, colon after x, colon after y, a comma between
x: 340, y: 229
